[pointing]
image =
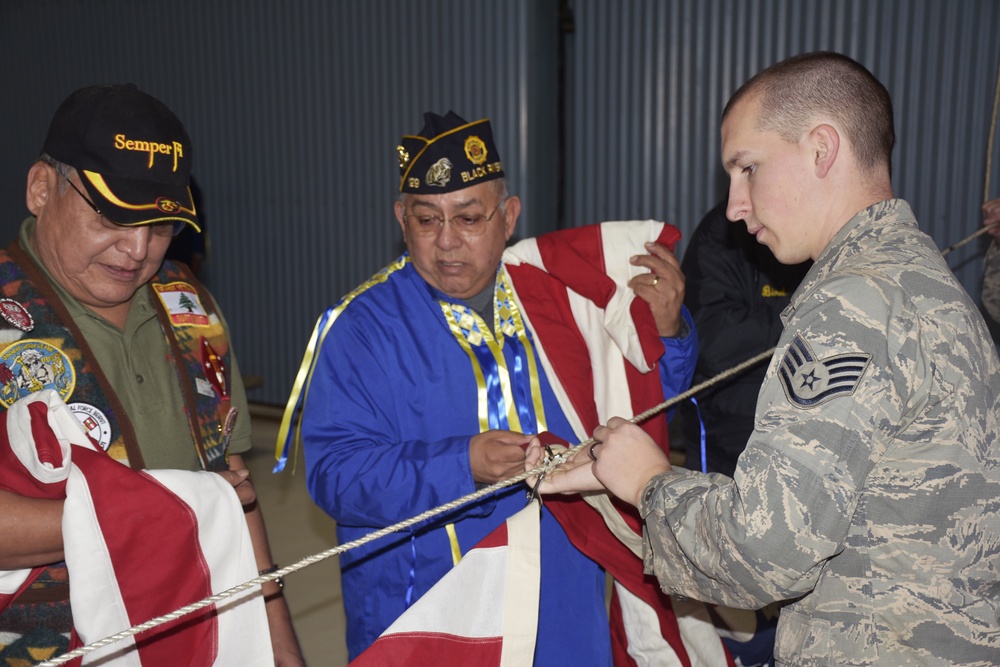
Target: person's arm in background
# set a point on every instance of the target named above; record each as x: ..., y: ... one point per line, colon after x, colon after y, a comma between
x: 678, y: 363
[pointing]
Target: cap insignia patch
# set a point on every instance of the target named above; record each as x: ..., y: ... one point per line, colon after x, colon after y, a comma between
x: 165, y: 205
x: 440, y: 173
x: 809, y: 382
x: 402, y: 155
x: 475, y: 149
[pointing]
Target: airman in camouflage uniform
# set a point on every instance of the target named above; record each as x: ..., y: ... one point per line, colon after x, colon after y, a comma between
x: 870, y: 489
x: 868, y: 496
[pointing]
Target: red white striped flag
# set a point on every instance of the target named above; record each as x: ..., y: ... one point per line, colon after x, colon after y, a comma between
x: 137, y: 544
x: 571, y: 286
x: 599, y: 347
x: 483, y: 612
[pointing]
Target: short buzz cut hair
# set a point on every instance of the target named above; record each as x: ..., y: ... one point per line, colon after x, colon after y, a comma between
x: 795, y: 91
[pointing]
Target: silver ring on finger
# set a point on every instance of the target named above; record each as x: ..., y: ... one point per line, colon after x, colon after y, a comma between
x: 590, y: 451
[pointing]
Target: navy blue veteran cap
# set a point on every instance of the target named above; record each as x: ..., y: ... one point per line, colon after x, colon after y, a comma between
x: 449, y: 154
x: 132, y: 153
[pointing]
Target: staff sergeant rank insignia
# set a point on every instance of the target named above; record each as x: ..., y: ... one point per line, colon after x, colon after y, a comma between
x: 809, y: 382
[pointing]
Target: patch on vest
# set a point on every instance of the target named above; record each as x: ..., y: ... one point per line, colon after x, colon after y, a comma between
x: 204, y: 387
x: 215, y: 370
x: 94, y: 422
x: 32, y: 365
x: 182, y: 304
x: 16, y: 315
x: 809, y: 382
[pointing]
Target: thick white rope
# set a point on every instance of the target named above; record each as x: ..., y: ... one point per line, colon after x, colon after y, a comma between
x: 544, y: 468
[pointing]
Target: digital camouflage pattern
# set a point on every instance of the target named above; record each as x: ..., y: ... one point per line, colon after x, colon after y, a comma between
x: 869, y: 492
x: 991, y: 282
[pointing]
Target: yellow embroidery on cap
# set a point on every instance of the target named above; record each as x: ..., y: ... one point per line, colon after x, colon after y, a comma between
x: 481, y: 171
x: 174, y: 148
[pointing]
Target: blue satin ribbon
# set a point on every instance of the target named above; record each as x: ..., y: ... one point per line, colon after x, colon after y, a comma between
x: 521, y: 386
x: 496, y: 406
x: 701, y: 432
x: 520, y: 382
x: 413, y: 569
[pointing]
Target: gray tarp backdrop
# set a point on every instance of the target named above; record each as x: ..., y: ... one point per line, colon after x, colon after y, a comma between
x: 602, y: 110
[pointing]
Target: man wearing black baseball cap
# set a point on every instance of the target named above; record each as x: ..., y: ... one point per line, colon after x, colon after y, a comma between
x: 131, y: 153
x: 425, y: 380
x: 134, y: 345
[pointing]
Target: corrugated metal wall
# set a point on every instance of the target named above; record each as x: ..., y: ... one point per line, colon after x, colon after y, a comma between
x: 295, y: 108
x: 650, y: 80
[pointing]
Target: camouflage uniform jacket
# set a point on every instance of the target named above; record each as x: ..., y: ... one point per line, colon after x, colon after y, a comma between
x: 991, y: 282
x: 869, y: 492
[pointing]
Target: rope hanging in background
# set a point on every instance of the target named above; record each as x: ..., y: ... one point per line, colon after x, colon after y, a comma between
x: 989, y: 168
x: 992, y: 134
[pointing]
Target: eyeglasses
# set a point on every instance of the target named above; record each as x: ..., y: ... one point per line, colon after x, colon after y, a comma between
x: 172, y: 228
x: 464, y: 224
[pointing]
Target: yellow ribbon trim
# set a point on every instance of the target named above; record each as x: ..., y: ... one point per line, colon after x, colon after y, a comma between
x: 303, y: 378
x: 456, y: 551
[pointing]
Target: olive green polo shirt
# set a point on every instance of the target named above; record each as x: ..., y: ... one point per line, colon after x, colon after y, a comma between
x: 135, y: 362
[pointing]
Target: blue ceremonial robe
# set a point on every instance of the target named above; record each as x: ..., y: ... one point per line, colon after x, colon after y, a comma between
x: 391, y: 405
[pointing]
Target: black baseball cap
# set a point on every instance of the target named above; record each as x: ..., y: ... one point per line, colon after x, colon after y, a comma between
x: 449, y: 154
x: 132, y: 153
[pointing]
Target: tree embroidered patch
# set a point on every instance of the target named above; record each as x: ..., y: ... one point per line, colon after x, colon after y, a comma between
x: 182, y: 304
